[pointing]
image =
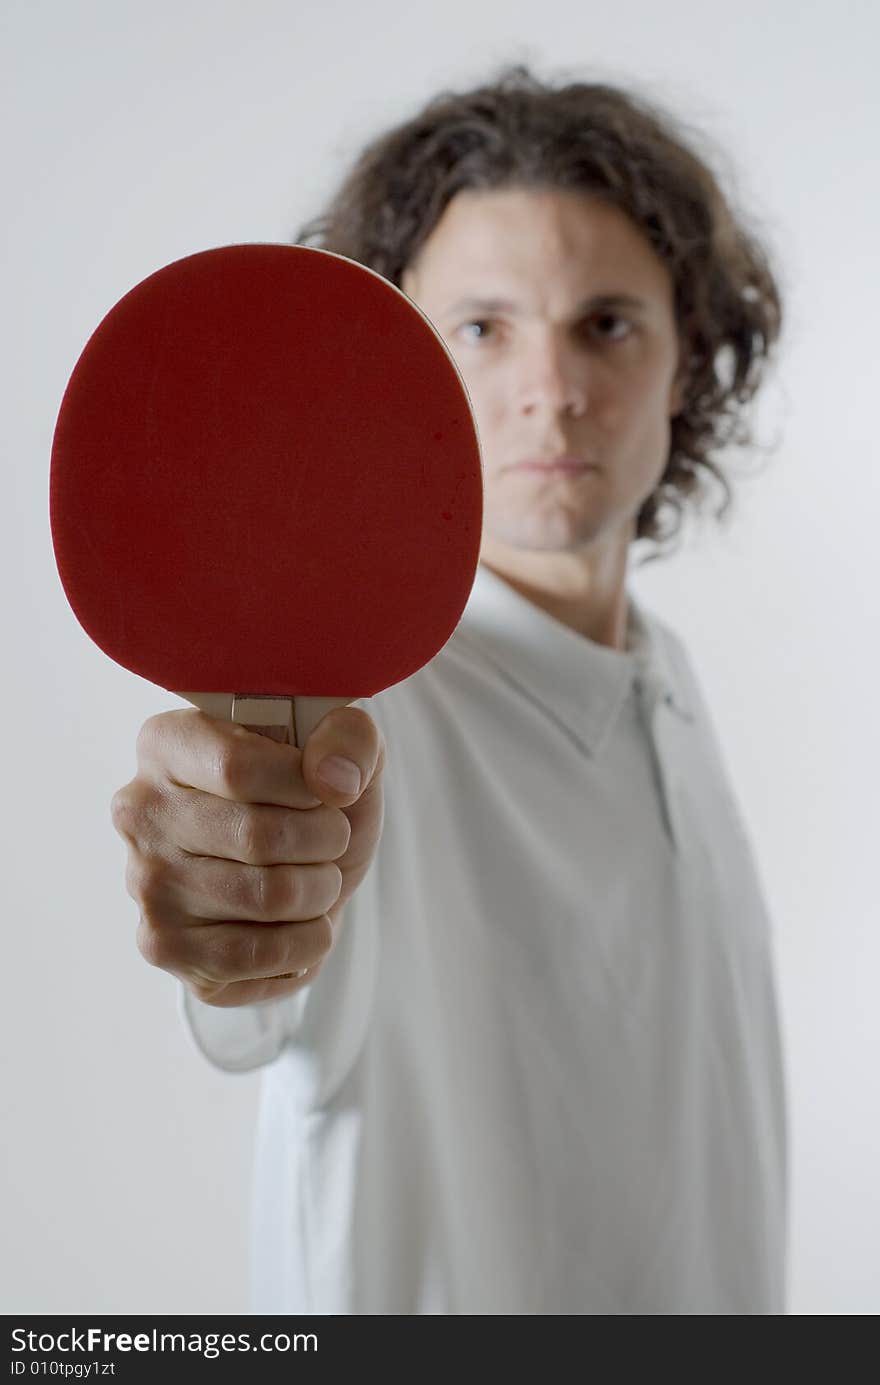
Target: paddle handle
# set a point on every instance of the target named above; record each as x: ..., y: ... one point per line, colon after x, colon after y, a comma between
x: 289, y: 720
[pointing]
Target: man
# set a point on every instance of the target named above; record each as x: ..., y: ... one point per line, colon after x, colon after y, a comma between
x: 526, y: 1058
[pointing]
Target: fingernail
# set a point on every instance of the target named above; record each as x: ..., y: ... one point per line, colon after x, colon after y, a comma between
x: 342, y: 775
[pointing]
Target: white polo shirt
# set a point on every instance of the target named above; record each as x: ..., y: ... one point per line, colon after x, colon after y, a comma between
x: 540, y: 1071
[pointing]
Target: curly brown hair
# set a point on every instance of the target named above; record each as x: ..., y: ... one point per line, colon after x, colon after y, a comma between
x: 521, y: 131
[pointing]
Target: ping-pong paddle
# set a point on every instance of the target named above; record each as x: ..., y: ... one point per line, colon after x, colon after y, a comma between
x: 266, y: 485
x: 266, y: 490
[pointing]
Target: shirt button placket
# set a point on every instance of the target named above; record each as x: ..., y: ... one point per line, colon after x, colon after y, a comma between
x: 653, y: 697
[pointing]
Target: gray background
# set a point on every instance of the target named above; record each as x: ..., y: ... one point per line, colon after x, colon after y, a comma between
x: 138, y: 133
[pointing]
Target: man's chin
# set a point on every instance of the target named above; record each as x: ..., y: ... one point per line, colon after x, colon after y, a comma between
x: 543, y: 538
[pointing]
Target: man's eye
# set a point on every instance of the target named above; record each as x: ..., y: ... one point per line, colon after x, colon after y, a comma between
x: 606, y: 321
x: 483, y: 329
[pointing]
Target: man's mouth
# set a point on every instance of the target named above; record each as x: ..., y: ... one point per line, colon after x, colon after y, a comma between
x: 566, y: 465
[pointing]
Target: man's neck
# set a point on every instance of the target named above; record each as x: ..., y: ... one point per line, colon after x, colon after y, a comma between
x: 585, y: 590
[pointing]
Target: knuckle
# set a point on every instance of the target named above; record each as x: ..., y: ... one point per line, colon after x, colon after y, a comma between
x: 274, y: 891
x: 293, y: 893
x: 266, y: 953
x: 129, y: 809
x: 122, y: 811
x: 144, y: 880
x: 258, y: 892
x: 230, y: 769
x: 154, y: 943
x: 251, y: 837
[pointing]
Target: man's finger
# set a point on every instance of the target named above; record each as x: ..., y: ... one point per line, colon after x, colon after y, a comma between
x: 223, y: 758
x: 342, y: 756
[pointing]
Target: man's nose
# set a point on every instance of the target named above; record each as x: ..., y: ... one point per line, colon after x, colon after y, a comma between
x: 551, y: 378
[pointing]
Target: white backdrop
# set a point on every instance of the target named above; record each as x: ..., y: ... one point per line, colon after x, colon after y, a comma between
x: 137, y: 133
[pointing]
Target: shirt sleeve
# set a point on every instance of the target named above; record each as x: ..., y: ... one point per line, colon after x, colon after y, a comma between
x: 243, y: 1038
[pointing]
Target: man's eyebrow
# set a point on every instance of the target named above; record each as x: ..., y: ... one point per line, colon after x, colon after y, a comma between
x: 598, y: 302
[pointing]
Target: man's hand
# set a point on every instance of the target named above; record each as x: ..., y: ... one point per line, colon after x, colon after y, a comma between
x: 242, y: 852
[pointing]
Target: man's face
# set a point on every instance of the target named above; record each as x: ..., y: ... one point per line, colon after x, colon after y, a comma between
x: 527, y: 289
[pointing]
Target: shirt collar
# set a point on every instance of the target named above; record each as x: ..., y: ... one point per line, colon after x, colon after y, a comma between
x: 580, y: 683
